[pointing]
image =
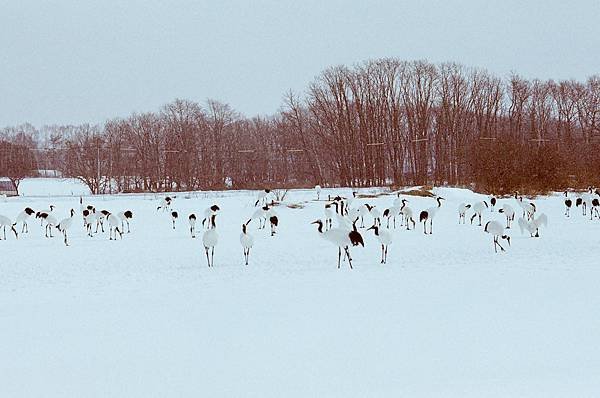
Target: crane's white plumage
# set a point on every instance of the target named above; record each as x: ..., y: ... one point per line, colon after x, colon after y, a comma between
x: 64, y: 225
x: 496, y: 229
x: 247, y: 241
x: 429, y: 215
x: 7, y: 222
x: 509, y: 213
x: 341, y: 238
x: 210, y: 238
x: 113, y: 226
x: 462, y: 212
x: 478, y: 208
x: 23, y: 217
x: 533, y: 226
x: 385, y: 239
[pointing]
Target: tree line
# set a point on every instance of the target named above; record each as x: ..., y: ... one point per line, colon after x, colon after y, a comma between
x: 384, y: 122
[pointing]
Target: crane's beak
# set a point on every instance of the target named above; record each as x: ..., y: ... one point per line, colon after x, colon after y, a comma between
x: 315, y: 222
x: 371, y: 227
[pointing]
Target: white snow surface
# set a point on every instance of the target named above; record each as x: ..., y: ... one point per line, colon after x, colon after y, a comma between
x: 445, y: 317
x: 50, y: 187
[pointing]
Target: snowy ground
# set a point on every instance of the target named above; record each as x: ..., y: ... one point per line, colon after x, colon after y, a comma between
x: 446, y: 317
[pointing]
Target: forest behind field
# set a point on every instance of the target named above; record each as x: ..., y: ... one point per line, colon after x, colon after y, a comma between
x: 384, y: 122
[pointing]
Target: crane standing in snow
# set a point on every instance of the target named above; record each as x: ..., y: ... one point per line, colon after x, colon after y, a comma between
x: 113, y: 226
x: 210, y: 238
x: 273, y: 220
x: 7, y: 222
x: 391, y: 213
x: 247, y: 241
x: 429, y: 215
x: 594, y: 208
x: 192, y: 221
x: 51, y: 222
x: 341, y: 238
x: 165, y: 204
x: 88, y: 218
x: 407, y: 214
x: 43, y: 214
x: 527, y: 207
x: 375, y: 213
x: 384, y: 238
x: 568, y: 204
x: 328, y: 215
x: 260, y: 214
x: 125, y: 216
x: 477, y: 210
x: 533, y: 226
x: 208, y: 213
x: 262, y: 197
x: 174, y: 216
x: 64, y: 225
x: 23, y: 217
x: 318, y: 191
x: 462, y: 212
x: 509, y: 213
x: 497, y: 231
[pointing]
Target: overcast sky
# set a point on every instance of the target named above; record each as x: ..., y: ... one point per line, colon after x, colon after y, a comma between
x: 78, y: 61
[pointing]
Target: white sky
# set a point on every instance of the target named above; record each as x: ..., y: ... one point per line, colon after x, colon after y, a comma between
x: 78, y: 61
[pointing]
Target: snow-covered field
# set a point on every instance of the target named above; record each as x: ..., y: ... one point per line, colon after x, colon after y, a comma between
x: 446, y: 317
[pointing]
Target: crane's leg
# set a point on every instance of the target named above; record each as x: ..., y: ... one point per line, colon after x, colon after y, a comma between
x: 207, y: 259
x: 382, y: 254
x: 339, y: 256
x: 212, y: 257
x: 499, y: 245
x: 349, y: 258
